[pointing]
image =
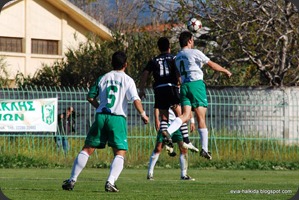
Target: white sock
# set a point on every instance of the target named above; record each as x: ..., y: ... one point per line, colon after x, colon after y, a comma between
x: 175, y: 125
x: 184, y: 164
x: 116, y: 168
x: 152, y: 162
x: 203, y: 132
x: 79, y: 164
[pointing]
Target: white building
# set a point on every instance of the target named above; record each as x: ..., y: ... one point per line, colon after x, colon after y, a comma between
x: 36, y: 32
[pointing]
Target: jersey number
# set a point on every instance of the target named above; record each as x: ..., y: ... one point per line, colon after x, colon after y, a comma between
x: 182, y: 69
x: 164, y: 68
x: 110, y: 95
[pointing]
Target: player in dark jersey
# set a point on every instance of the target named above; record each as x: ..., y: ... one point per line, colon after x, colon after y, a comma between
x: 166, y: 89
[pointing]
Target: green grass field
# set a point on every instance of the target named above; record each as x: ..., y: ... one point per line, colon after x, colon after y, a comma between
x: 44, y: 184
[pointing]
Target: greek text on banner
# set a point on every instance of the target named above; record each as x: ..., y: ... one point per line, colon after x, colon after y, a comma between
x: 35, y: 115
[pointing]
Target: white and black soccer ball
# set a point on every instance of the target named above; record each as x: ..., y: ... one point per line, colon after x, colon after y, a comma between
x: 194, y: 25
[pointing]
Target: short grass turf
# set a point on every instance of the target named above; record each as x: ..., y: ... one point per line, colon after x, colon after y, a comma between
x: 45, y: 184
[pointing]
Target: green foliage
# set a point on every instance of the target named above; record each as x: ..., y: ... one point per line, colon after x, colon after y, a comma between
x: 79, y: 69
x: 83, y: 65
x: 141, y: 48
x: 248, y: 164
x: 257, y: 41
x: 229, y: 152
x: 3, y: 73
x: 46, y: 76
x: 21, y: 161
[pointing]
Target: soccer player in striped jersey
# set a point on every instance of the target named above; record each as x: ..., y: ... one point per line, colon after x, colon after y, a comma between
x: 166, y: 88
x: 176, y: 138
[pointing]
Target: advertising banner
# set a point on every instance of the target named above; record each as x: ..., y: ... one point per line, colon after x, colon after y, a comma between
x: 35, y: 115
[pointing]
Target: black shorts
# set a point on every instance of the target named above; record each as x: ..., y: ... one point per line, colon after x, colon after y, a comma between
x: 167, y: 96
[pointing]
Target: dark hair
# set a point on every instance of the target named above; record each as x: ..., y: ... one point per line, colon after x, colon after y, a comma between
x: 119, y: 58
x: 184, y: 38
x: 70, y: 108
x: 163, y: 44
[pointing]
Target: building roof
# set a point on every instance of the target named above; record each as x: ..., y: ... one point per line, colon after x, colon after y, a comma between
x: 77, y: 15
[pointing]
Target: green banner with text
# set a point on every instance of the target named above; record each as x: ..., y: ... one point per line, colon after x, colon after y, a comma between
x: 36, y: 115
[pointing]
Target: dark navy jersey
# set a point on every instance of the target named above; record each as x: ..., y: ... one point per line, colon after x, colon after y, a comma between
x: 163, y: 69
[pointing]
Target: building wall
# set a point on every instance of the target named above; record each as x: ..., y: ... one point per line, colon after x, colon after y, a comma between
x: 12, y: 20
x: 37, y: 19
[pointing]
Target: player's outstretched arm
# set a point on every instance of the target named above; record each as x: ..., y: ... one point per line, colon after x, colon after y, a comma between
x: 217, y: 67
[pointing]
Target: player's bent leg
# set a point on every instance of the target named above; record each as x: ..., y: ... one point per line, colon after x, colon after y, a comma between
x: 78, y: 166
x: 153, y: 160
x: 185, y: 133
x: 158, y: 147
x: 166, y: 140
x: 167, y: 137
x: 184, y: 162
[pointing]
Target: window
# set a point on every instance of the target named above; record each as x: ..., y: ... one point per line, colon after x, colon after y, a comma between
x: 10, y: 44
x: 44, y: 47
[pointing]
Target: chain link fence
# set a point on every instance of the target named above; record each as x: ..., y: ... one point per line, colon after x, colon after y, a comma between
x: 243, y: 123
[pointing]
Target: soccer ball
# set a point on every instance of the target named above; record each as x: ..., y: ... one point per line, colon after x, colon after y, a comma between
x: 194, y: 25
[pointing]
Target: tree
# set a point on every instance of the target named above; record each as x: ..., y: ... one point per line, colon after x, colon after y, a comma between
x: 257, y: 36
x: 79, y: 68
x: 82, y: 66
x: 46, y: 76
x: 3, y: 73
